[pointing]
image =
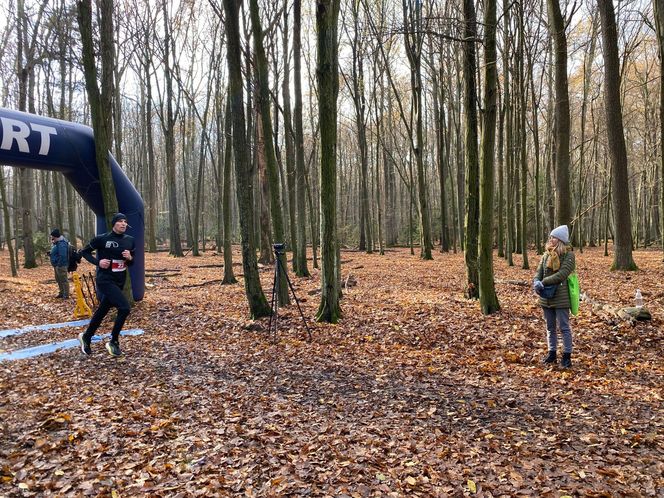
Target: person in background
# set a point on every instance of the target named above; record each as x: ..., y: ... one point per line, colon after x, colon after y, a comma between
x: 114, y: 253
x: 59, y: 260
x: 557, y: 263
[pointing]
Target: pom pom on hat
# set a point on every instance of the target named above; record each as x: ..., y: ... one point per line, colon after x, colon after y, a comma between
x: 561, y: 233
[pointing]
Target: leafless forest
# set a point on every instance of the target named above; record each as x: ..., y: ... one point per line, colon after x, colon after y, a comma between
x: 457, y: 126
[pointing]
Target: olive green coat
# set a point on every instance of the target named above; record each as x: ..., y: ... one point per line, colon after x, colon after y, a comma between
x: 548, y: 277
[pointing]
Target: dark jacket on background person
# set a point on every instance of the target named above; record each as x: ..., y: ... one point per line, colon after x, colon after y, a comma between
x: 559, y: 278
x: 59, y: 252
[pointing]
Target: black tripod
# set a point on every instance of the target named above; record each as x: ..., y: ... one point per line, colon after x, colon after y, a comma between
x: 274, y: 317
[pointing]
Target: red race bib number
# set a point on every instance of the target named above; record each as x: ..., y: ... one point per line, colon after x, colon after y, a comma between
x: 118, y: 265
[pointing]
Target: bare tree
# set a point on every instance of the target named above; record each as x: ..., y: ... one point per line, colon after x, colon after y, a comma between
x: 100, y: 99
x: 622, y: 258
x: 271, y: 159
x: 327, y: 75
x: 659, y: 22
x: 470, y: 146
x: 168, y: 120
x: 413, y: 39
x: 300, y: 184
x: 562, y: 119
x: 25, y: 65
x: 258, y: 305
x: 488, y: 299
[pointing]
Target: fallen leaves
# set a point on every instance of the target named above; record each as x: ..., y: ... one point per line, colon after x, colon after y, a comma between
x: 414, y: 393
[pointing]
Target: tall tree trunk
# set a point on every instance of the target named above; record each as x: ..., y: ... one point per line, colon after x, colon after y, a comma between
x: 535, y: 109
x: 659, y: 21
x: 327, y: 74
x: 562, y: 118
x: 501, y: 179
x: 149, y: 143
x: 168, y: 125
x: 413, y: 34
x: 290, y: 145
x: 65, y: 66
x: 522, y: 149
x: 266, y: 255
x: 508, y: 147
x: 258, y: 305
x: 488, y: 298
x: 441, y: 155
x: 359, y: 101
x: 100, y: 100
x: 7, y: 226
x: 587, y: 80
x: 622, y: 259
x: 300, y: 184
x: 391, y: 232
x: 470, y: 146
x: 271, y: 159
x: 229, y: 276
x: 25, y: 64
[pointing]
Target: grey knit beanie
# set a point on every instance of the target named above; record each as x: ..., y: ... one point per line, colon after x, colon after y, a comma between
x: 561, y: 233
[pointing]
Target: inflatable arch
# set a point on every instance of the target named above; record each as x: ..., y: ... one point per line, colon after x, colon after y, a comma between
x: 31, y: 141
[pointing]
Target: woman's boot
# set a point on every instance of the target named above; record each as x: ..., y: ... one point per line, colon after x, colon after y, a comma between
x: 566, y: 362
x: 551, y: 358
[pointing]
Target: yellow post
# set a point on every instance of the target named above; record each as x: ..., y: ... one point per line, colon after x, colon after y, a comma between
x: 82, y: 309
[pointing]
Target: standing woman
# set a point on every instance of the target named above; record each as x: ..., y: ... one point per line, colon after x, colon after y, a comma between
x: 550, y: 284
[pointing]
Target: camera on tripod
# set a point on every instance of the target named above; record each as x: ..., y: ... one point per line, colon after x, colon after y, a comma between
x: 279, y: 248
x: 279, y: 271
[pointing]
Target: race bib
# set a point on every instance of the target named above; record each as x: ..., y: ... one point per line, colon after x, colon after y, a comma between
x: 118, y: 265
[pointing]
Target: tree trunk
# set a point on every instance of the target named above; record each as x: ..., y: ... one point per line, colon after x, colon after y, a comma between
x: 229, y: 276
x: 441, y: 154
x: 7, y: 226
x: 290, y: 146
x: 535, y: 109
x: 327, y: 74
x: 488, y: 298
x: 258, y: 305
x: 168, y: 125
x: 501, y: 180
x: 470, y: 146
x: 100, y: 100
x: 413, y: 34
x: 300, y: 184
x: 25, y: 71
x: 391, y: 233
x: 522, y: 127
x: 508, y: 141
x: 271, y: 159
x: 359, y: 101
x: 562, y: 118
x: 587, y: 80
x: 149, y: 142
x: 266, y: 256
x: 622, y: 258
x: 659, y: 21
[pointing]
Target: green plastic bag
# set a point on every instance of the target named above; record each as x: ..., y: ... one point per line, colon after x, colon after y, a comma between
x: 573, y: 286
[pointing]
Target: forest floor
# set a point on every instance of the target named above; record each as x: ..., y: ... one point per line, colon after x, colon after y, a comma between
x: 413, y: 393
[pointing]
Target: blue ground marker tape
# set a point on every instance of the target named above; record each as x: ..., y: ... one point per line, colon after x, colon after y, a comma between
x: 47, y: 326
x: 55, y: 346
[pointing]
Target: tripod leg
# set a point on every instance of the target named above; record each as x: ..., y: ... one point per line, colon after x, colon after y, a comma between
x: 274, y: 303
x: 290, y: 285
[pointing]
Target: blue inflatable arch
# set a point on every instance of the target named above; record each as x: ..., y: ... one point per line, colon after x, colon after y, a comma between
x: 31, y: 141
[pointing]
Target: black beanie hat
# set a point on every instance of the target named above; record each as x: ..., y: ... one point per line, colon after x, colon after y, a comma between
x: 55, y: 233
x: 117, y: 217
